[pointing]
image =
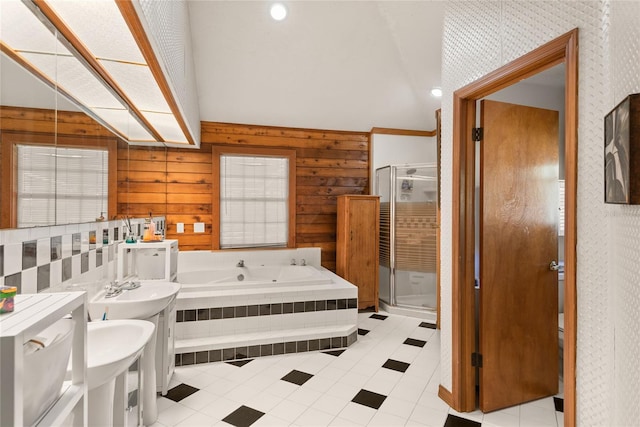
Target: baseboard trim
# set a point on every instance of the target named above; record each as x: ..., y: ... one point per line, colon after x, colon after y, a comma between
x: 445, y: 395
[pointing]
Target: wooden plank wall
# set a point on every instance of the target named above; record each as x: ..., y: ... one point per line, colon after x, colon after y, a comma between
x: 328, y: 163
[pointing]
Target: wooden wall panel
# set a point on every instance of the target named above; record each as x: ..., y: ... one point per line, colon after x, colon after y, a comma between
x: 177, y: 183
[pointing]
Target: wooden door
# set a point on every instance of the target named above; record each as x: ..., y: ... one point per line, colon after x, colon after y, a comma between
x: 518, y: 241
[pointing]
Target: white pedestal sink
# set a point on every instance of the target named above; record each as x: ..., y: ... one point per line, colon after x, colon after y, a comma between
x: 144, y: 303
x: 111, y: 348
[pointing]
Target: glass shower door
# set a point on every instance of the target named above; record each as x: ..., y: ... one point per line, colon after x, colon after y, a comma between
x: 414, y: 236
x: 383, y: 189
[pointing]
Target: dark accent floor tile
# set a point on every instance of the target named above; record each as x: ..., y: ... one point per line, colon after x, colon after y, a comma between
x: 378, y: 316
x: 427, y: 325
x: 369, y: 398
x: 240, y: 363
x: 180, y: 391
x: 243, y: 417
x: 297, y: 377
x: 453, y: 421
x: 396, y: 365
x: 414, y: 342
x: 559, y: 402
x: 363, y: 331
x: 334, y: 352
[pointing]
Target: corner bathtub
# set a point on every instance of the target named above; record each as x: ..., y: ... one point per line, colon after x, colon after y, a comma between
x: 246, y: 312
x: 251, y: 278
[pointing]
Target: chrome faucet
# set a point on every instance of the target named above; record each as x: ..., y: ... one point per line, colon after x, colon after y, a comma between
x: 304, y: 262
x: 112, y: 289
x: 240, y: 263
x: 293, y: 261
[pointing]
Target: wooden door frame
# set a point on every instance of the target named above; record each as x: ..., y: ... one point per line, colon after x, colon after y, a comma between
x: 563, y: 49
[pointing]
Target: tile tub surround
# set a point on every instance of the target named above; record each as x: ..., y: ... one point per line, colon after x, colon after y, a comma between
x: 218, y: 325
x: 42, y: 259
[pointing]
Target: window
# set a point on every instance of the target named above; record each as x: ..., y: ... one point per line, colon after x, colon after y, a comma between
x: 255, y: 198
x: 61, y: 185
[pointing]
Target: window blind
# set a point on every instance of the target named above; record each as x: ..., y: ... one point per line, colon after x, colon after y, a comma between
x: 61, y: 185
x: 254, y: 194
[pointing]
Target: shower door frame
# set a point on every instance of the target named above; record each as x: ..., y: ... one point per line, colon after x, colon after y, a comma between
x: 392, y: 233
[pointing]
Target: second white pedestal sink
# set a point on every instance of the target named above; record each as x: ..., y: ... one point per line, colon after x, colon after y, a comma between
x: 112, y: 347
x: 144, y: 303
x: 140, y: 303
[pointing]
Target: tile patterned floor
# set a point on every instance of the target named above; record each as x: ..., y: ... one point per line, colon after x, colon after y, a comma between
x: 389, y: 377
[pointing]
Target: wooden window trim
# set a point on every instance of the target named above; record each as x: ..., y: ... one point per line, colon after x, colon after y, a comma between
x: 217, y: 151
x: 9, y: 214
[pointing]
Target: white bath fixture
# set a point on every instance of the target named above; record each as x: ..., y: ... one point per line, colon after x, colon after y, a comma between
x: 143, y: 303
x: 112, y: 346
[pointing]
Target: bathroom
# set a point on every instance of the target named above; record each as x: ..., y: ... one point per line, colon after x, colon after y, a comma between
x: 173, y: 182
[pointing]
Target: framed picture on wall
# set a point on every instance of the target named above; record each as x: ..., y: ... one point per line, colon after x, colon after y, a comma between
x: 622, y: 152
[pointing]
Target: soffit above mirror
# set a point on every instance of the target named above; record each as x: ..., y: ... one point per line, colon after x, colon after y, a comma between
x: 104, y: 61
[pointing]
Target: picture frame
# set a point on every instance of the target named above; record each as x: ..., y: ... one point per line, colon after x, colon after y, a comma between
x: 622, y: 152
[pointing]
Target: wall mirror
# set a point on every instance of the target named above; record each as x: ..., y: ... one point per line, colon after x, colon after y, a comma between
x: 48, y: 143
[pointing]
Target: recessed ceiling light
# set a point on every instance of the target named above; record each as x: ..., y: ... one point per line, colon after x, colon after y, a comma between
x: 437, y: 92
x: 278, y: 11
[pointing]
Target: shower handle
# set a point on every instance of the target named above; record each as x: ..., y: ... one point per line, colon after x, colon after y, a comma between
x: 554, y: 266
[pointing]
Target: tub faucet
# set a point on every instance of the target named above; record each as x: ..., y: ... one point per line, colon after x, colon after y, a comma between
x: 240, y: 263
x: 303, y: 263
x: 293, y: 261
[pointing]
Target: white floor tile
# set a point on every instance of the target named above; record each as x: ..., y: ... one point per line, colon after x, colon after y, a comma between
x: 430, y: 400
x: 199, y: 400
x: 288, y: 410
x: 264, y: 401
x: 531, y: 415
x: 318, y: 383
x: 220, y: 408
x: 396, y: 406
x: 198, y: 420
x: 330, y: 404
x: 175, y: 415
x: 314, y: 417
x: 221, y: 387
x: 282, y: 388
x: 268, y: 420
x: 304, y: 396
x: 356, y: 414
x: 384, y: 419
x: 433, y: 418
x: 500, y: 419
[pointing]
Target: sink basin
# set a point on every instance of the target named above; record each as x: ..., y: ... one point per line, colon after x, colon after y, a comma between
x: 112, y: 346
x: 144, y: 303
x: 140, y: 303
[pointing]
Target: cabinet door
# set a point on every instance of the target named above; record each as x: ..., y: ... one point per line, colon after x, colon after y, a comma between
x: 362, y: 251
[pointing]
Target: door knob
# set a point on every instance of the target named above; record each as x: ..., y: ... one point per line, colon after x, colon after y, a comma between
x: 554, y: 266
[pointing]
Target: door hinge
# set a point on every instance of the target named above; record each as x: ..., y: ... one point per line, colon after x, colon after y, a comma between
x: 476, y: 134
x: 476, y: 360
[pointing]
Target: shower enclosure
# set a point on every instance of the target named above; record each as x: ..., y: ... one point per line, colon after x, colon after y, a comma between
x: 408, y: 250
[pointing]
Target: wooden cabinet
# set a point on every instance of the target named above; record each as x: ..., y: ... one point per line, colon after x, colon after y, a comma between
x: 357, y: 245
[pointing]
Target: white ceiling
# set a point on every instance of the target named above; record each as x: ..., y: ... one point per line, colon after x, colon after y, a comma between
x: 344, y: 65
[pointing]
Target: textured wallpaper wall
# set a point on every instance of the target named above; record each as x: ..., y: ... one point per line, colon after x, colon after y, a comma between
x: 482, y: 36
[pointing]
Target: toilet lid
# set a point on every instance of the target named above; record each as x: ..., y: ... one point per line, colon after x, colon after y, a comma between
x: 561, y: 322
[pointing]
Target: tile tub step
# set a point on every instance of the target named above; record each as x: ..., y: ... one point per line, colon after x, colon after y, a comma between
x: 260, y: 338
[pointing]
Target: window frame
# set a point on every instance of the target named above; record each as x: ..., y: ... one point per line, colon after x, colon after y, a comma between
x: 10, y: 141
x: 218, y: 151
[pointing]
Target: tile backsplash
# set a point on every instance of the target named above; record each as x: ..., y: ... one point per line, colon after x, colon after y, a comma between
x: 52, y: 258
